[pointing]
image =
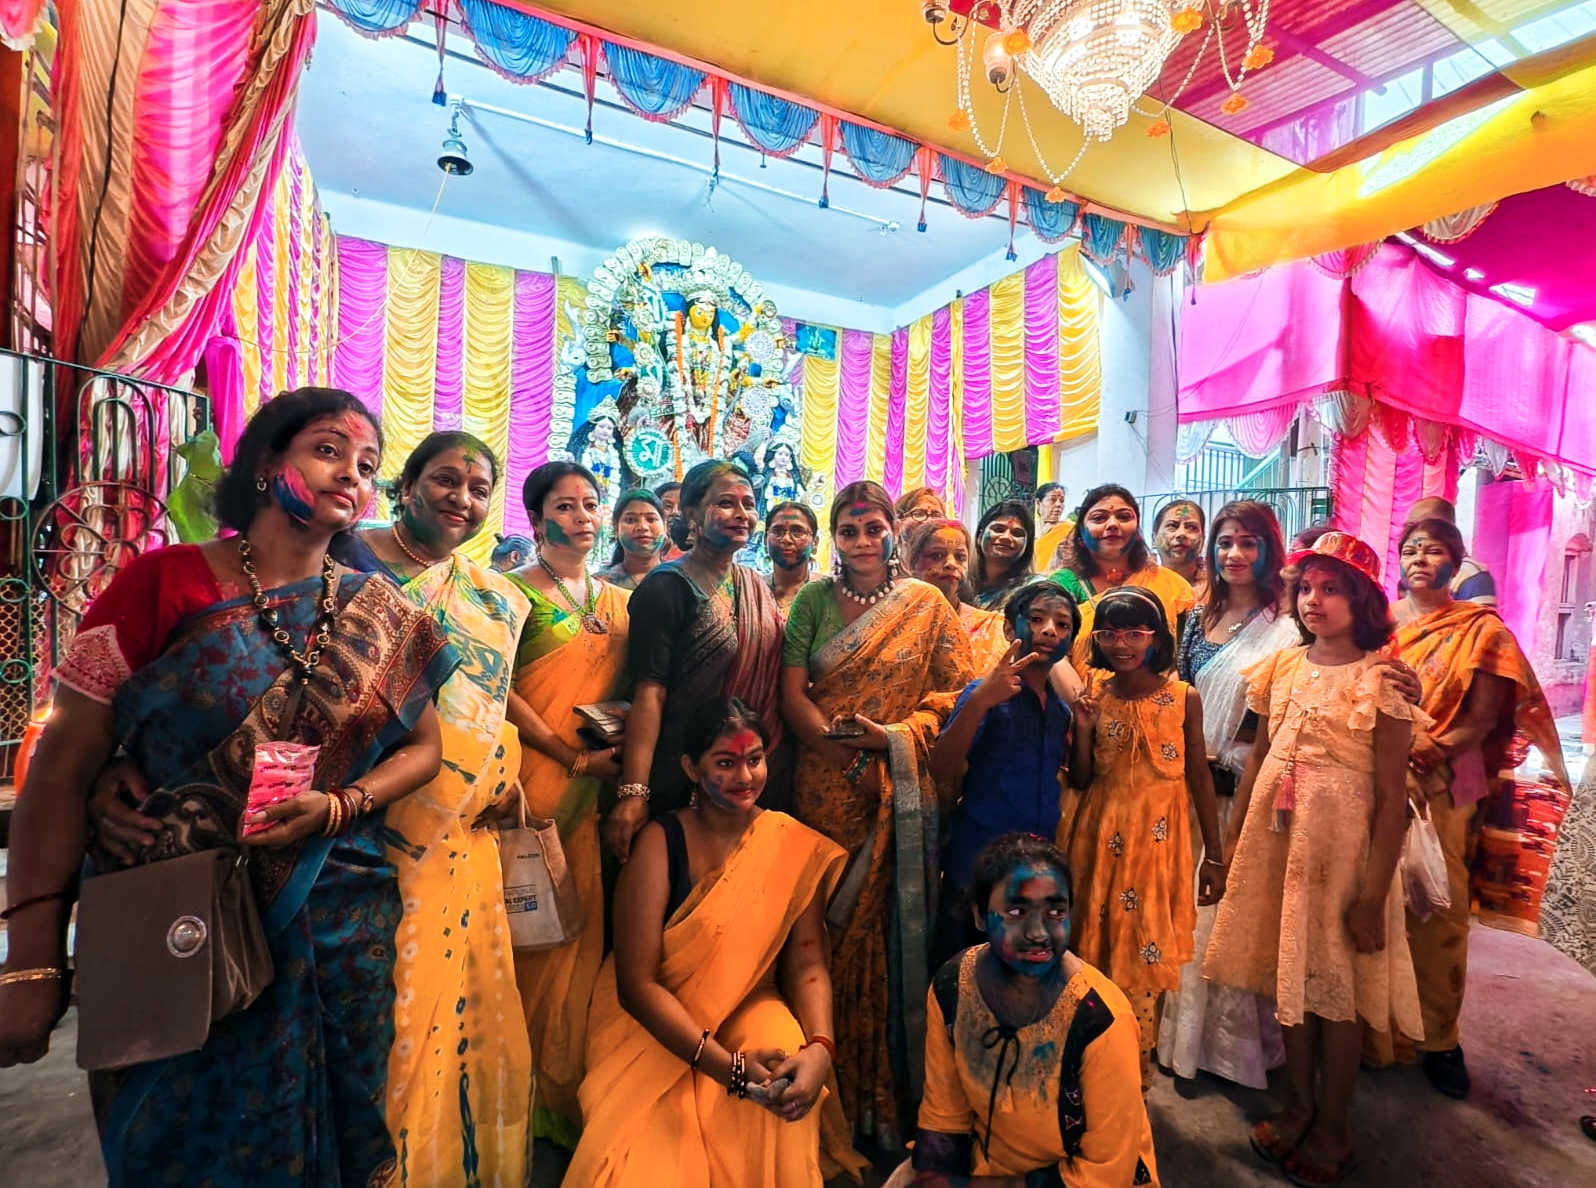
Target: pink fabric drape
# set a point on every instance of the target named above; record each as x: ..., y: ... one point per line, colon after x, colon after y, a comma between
x: 362, y: 329
x: 1042, y: 412
x: 939, y: 449
x: 1406, y: 334
x: 191, y: 173
x: 1261, y: 341
x: 978, y: 438
x: 897, y: 403
x: 531, y: 389
x: 1394, y: 330
x: 448, y: 406
x: 266, y: 284
x: 1512, y: 531
x: 224, y: 373
x: 19, y: 21
x: 853, y: 404
x: 1373, y: 485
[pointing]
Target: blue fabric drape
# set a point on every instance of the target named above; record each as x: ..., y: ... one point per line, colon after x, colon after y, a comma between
x: 1050, y: 221
x: 518, y: 45
x: 879, y: 157
x: 1162, y: 249
x: 775, y: 125
x: 972, y: 190
x: 376, y: 16
x: 654, y: 88
x: 1101, y: 237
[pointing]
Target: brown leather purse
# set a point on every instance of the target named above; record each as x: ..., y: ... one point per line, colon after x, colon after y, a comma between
x: 163, y: 951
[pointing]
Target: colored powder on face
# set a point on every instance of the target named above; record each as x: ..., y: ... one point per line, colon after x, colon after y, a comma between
x: 1444, y: 572
x: 1091, y: 542
x: 293, y: 494
x: 632, y: 545
x: 861, y: 509
x: 887, y: 545
x: 419, y: 527
x: 1260, y: 566
x: 557, y: 535
x: 1147, y: 656
x: 715, y: 537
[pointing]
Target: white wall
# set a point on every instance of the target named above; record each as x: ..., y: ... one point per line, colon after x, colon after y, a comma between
x: 1137, y: 343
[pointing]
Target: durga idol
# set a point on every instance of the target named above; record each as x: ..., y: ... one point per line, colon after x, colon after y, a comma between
x: 703, y: 374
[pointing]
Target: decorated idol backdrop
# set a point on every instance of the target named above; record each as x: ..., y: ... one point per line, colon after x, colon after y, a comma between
x: 677, y: 355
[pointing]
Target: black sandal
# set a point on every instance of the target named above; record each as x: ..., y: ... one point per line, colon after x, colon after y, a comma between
x: 1588, y: 1125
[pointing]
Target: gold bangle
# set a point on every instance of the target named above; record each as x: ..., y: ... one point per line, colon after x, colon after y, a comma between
x: 32, y: 975
x: 628, y: 791
x: 335, y: 811
x: 579, y: 764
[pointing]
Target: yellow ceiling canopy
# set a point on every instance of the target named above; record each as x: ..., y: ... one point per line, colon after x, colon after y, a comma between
x: 1354, y: 86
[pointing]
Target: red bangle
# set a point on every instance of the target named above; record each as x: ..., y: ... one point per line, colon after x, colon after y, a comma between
x: 823, y: 1041
x: 33, y: 900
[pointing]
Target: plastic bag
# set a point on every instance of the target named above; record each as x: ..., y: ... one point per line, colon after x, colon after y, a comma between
x: 1424, y: 881
x: 282, y: 771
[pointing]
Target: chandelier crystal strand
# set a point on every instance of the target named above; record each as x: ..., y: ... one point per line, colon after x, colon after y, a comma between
x: 966, y: 58
x: 1056, y: 178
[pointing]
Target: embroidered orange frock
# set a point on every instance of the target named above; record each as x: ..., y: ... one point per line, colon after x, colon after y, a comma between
x: 1130, y: 849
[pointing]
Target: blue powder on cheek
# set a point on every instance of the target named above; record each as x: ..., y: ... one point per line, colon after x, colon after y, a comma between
x: 1091, y: 542
x: 291, y: 496
x: 886, y: 548
x: 1260, y: 566
x: 555, y: 533
x: 1147, y: 656
x: 1443, y: 575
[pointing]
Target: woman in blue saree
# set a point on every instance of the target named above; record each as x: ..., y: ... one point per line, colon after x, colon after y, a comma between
x: 188, y: 659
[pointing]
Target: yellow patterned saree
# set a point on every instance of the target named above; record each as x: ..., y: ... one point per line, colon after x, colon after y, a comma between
x: 559, y: 667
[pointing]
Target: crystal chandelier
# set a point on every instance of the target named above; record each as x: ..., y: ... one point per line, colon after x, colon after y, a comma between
x: 1093, y: 58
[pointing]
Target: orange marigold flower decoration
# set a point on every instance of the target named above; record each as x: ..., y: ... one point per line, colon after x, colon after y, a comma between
x: 997, y: 165
x: 958, y: 122
x: 1016, y: 42
x: 1187, y: 20
x: 1158, y: 128
x: 1235, y: 105
x: 1258, y: 57
x: 1057, y: 194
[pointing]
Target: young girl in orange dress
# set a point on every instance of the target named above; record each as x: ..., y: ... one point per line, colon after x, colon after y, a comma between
x: 1314, y: 917
x: 1138, y: 752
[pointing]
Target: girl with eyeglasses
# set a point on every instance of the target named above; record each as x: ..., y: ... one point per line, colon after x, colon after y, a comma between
x: 1138, y: 753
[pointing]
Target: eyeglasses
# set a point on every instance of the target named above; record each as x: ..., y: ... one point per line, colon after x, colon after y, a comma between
x: 1134, y: 636
x: 920, y: 515
x: 782, y: 531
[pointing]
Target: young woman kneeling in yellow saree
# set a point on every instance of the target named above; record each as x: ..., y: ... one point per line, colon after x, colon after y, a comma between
x: 710, y: 1039
x: 1032, y: 1061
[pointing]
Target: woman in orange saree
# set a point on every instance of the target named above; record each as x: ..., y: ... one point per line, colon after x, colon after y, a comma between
x: 871, y: 669
x: 1483, y: 695
x: 710, y: 1039
x: 572, y: 653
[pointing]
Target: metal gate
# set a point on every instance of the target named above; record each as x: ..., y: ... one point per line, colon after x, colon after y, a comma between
x: 86, y: 465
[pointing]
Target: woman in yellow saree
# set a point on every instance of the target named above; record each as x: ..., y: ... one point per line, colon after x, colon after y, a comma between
x: 710, y: 1037
x: 460, y: 1073
x: 572, y: 653
x: 872, y: 666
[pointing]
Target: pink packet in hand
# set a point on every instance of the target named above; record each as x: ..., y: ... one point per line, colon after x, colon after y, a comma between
x: 282, y: 771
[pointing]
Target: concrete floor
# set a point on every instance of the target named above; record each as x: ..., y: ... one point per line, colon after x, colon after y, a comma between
x: 1529, y: 1028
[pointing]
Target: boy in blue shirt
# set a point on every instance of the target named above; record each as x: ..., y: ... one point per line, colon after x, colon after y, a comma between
x: 1008, y: 736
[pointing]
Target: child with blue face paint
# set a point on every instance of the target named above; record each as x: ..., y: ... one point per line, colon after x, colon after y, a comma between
x: 1139, y: 759
x: 1006, y: 742
x: 1031, y: 1063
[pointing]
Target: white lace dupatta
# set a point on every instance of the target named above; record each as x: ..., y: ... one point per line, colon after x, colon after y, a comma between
x: 1223, y: 688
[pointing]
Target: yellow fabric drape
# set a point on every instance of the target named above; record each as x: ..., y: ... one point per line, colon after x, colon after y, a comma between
x: 1080, y: 362
x: 917, y: 405
x: 277, y: 364
x: 1008, y: 363
x: 1541, y: 137
x: 818, y: 445
x: 880, y: 395
x: 409, y: 379
x: 489, y: 326
x: 246, y: 317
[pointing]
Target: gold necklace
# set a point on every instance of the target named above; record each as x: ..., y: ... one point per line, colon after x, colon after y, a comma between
x: 404, y: 548
x: 590, y: 620
x: 321, y: 632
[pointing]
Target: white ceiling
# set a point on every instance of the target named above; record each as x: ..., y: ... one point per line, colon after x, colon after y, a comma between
x: 372, y: 136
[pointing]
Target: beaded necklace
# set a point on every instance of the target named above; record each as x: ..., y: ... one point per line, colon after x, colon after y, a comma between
x: 321, y: 633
